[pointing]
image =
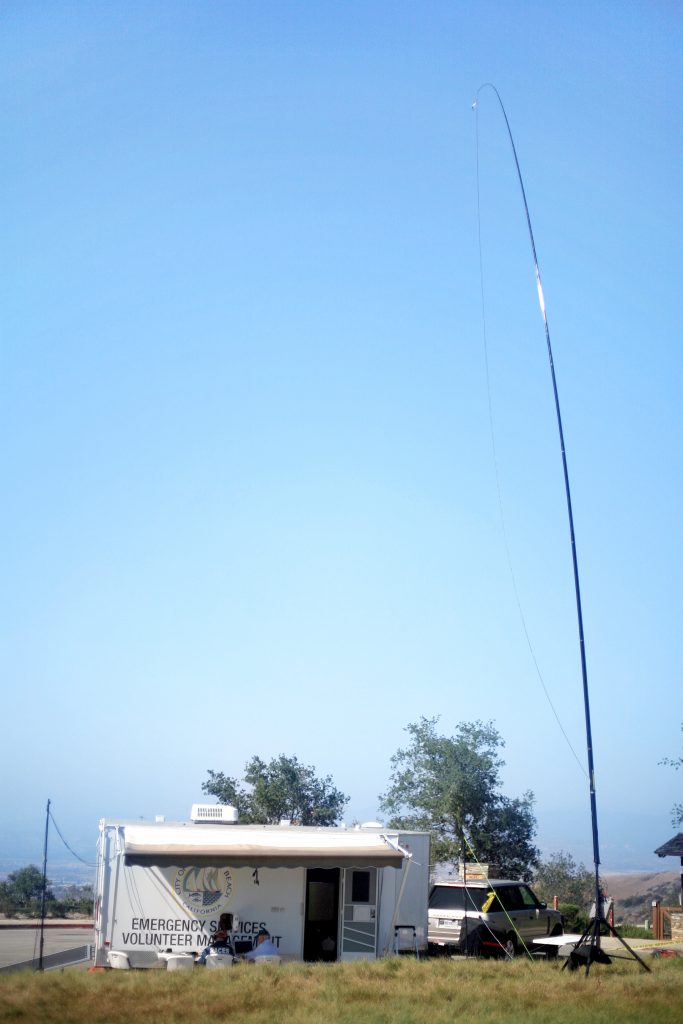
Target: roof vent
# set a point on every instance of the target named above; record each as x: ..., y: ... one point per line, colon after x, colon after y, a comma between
x: 218, y: 814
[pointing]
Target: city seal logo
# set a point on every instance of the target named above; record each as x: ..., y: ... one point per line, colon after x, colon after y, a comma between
x: 203, y: 891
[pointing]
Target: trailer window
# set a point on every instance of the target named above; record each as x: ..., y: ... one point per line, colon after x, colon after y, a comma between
x: 360, y: 887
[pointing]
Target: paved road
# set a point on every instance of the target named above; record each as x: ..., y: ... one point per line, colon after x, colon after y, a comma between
x: 643, y: 947
x: 19, y: 943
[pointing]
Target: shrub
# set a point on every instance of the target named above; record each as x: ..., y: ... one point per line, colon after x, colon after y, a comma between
x: 632, y: 931
x: 575, y: 919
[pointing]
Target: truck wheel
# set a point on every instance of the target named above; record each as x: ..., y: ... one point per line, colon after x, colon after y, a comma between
x: 510, y: 948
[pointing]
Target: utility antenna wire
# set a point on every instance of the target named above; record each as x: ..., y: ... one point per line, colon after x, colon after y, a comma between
x: 87, y: 863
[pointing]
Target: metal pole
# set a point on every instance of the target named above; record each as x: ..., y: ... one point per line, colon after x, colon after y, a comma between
x: 42, y: 895
x: 464, y: 894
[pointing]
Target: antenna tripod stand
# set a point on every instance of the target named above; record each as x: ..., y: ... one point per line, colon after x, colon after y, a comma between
x: 588, y: 949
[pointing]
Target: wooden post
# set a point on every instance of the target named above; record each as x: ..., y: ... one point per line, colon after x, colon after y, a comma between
x: 657, y: 931
x: 555, y: 902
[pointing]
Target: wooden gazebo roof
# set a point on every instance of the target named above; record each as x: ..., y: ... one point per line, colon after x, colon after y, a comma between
x: 674, y: 848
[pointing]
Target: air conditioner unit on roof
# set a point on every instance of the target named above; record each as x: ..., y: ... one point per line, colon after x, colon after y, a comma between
x: 220, y: 814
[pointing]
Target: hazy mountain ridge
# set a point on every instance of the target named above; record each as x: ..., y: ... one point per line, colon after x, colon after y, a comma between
x: 634, y: 892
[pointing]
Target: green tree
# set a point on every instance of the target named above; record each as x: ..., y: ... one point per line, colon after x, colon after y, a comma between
x: 677, y: 809
x: 561, y: 876
x: 77, y: 899
x: 21, y: 891
x: 282, y: 788
x: 450, y: 787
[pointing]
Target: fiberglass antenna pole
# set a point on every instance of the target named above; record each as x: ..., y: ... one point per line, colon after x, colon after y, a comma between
x: 598, y: 917
x: 577, y: 588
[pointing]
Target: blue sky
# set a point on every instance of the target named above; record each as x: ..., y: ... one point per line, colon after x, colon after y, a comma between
x: 249, y: 495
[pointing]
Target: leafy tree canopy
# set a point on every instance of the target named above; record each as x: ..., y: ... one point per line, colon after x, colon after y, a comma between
x: 283, y: 788
x: 677, y: 809
x: 561, y: 876
x: 76, y: 899
x: 21, y: 891
x: 450, y: 787
x: 20, y: 895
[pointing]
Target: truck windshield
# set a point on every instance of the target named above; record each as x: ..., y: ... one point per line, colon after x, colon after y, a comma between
x: 447, y: 897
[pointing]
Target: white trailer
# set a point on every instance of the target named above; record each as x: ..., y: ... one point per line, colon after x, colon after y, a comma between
x: 322, y: 893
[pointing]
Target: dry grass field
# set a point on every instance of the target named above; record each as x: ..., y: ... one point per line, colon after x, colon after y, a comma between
x: 400, y: 991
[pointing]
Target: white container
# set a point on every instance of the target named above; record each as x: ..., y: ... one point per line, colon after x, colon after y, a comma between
x: 179, y: 962
x: 118, y: 960
x: 215, y: 960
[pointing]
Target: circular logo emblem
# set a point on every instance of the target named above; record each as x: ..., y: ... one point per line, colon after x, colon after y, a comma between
x: 203, y: 890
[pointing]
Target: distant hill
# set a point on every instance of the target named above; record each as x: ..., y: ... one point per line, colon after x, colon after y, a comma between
x: 633, y: 893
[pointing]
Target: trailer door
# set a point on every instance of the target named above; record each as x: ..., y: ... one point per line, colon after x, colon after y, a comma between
x: 321, y: 920
x: 359, y: 932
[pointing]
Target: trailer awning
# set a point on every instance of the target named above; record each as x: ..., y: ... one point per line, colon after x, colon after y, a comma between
x: 238, y: 845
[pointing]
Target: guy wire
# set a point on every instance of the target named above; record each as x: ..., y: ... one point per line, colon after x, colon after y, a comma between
x: 501, y: 512
x: 73, y: 852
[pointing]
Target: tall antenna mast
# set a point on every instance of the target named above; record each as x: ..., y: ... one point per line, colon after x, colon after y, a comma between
x: 585, y: 951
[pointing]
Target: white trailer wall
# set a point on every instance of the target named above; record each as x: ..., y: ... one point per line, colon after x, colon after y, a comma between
x: 151, y: 917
